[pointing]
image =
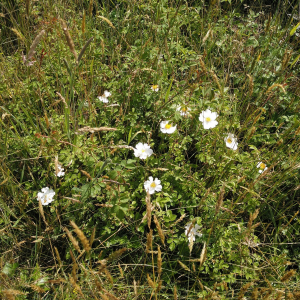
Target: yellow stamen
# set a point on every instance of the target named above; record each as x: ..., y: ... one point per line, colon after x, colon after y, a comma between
x: 153, y: 185
x: 229, y: 141
x: 154, y: 87
x: 168, y: 126
x: 262, y: 166
x: 184, y: 109
x: 208, y: 119
x: 143, y: 151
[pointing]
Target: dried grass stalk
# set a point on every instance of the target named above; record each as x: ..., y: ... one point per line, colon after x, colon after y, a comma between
x: 159, y: 262
x: 251, y: 85
x: 203, y: 255
x: 202, y: 64
x: 62, y: 99
x: 191, y: 245
x: 74, y: 272
x: 243, y: 290
x: 255, y: 294
x: 184, y: 266
x: 206, y: 36
x: 58, y: 257
x: 104, y: 297
x: 76, y: 286
x: 34, y: 45
x: 95, y: 129
x: 72, y: 256
x: 150, y: 281
x: 37, y: 288
x: 274, y: 86
x: 160, y: 232
x: 107, y: 21
x: 72, y: 239
x: 216, y: 80
x: 56, y: 164
x: 175, y: 293
x: 68, y: 38
x: 110, y: 295
x: 125, y: 146
x: 115, y: 255
x: 220, y: 199
x: 149, y: 241
x: 135, y: 288
x: 92, y: 238
x: 83, y: 22
x: 82, y: 237
x: 288, y: 275
x: 108, y: 275
x: 179, y: 220
x: 42, y: 212
x: 148, y: 212
x: 18, y: 34
x: 83, y: 49
x: 121, y: 271
x: 86, y: 174
x: 252, y: 218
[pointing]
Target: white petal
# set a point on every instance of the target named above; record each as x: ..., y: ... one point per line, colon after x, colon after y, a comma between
x: 103, y: 99
x: 172, y: 129
x: 158, y: 188
x: 106, y: 94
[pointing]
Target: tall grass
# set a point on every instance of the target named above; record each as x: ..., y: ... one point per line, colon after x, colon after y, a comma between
x: 239, y: 60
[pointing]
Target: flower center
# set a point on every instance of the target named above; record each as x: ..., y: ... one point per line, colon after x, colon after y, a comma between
x: 184, y: 109
x: 154, y: 87
x: 262, y: 166
x: 168, y: 126
x: 229, y: 141
x: 208, y: 119
x: 153, y: 185
x: 143, y: 150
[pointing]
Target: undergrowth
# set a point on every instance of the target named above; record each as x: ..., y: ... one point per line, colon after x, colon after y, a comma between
x: 82, y: 83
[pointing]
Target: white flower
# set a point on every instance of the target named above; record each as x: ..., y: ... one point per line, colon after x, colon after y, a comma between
x: 184, y: 111
x: 231, y: 141
x: 262, y: 167
x: 208, y: 118
x: 142, y: 151
x: 152, y: 185
x: 191, y: 231
x: 60, y: 172
x: 166, y: 127
x: 46, y: 196
x: 103, y: 98
x: 154, y: 88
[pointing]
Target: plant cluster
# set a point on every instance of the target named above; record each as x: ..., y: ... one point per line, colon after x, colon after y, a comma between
x: 165, y: 135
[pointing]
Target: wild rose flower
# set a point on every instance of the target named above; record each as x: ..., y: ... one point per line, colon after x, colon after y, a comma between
x: 184, y: 111
x: 166, y: 127
x: 208, y: 118
x: 60, y: 172
x: 142, y: 151
x: 262, y: 167
x: 231, y: 141
x: 46, y: 196
x: 155, y: 88
x: 104, y: 97
x: 152, y: 186
x: 191, y: 231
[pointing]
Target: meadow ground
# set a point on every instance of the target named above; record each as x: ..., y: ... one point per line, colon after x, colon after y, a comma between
x: 149, y: 149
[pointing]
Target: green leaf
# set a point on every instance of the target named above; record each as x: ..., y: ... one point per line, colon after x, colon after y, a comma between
x: 9, y: 269
x: 294, y: 29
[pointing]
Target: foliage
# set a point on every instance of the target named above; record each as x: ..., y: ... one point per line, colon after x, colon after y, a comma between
x: 201, y: 56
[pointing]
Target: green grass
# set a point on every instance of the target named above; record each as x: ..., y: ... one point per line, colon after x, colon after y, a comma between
x: 238, y: 61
